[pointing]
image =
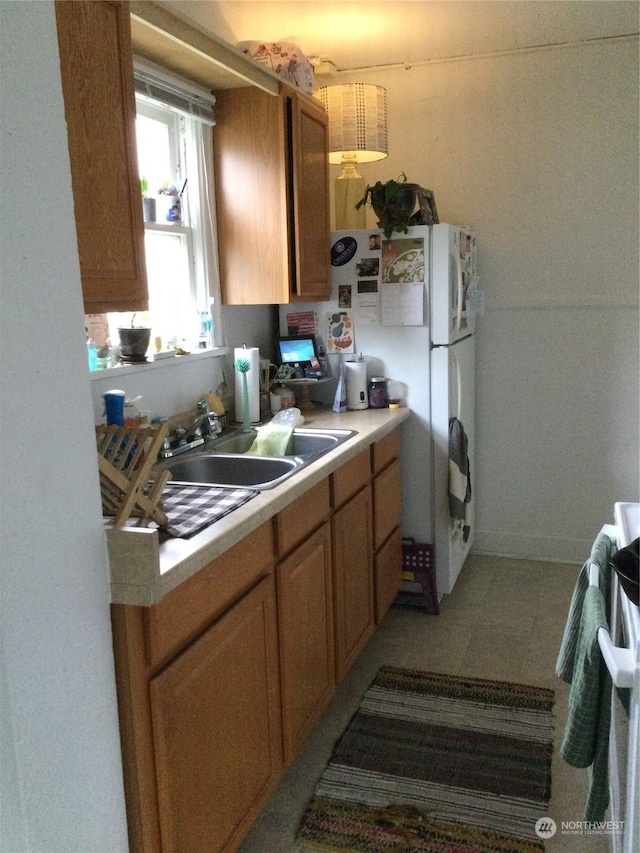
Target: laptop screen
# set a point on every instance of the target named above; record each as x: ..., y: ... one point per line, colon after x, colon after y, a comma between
x: 297, y: 350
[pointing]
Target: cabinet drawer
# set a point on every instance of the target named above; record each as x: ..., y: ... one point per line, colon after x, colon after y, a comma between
x: 296, y: 521
x: 387, y: 573
x: 387, y: 502
x: 349, y: 479
x: 190, y: 607
x: 385, y: 450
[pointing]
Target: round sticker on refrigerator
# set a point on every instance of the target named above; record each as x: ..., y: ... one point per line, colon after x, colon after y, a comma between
x: 342, y: 251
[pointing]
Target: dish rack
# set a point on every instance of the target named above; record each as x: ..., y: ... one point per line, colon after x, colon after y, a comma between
x: 128, y: 486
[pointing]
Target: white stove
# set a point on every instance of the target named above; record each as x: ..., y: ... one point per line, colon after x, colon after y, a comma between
x: 624, y: 666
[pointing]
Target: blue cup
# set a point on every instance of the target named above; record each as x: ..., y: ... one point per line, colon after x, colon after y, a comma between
x: 114, y: 407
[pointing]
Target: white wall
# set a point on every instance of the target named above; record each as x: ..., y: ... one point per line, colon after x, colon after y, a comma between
x: 61, y: 767
x: 61, y: 773
x: 539, y: 150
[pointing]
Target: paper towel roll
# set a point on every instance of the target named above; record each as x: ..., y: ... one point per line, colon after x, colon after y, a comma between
x: 253, y: 383
x: 356, y: 385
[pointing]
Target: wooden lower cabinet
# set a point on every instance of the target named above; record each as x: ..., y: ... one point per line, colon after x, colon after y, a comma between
x: 387, y: 503
x: 305, y: 622
x: 217, y: 734
x: 387, y: 573
x: 353, y: 579
x: 220, y: 684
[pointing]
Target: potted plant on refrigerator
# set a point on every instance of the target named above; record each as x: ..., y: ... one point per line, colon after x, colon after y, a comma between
x: 394, y: 203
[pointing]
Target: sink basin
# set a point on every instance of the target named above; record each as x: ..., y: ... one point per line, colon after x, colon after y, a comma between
x: 226, y: 461
x: 306, y: 443
x: 256, y: 472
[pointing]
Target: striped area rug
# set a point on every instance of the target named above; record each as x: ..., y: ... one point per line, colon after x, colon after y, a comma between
x: 433, y: 763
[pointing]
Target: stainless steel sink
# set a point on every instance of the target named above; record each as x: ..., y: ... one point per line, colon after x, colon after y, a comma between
x: 256, y: 472
x: 304, y: 442
x: 227, y: 462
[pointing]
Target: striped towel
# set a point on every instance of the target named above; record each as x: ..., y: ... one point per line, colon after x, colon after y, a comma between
x: 459, y: 478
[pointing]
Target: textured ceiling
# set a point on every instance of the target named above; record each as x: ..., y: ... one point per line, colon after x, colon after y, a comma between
x: 365, y: 33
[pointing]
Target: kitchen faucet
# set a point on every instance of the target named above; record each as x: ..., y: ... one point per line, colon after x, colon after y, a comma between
x: 181, y: 440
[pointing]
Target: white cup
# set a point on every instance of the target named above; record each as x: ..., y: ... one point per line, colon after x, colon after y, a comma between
x: 281, y: 398
x: 275, y: 401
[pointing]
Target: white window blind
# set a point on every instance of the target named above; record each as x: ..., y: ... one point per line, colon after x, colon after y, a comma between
x: 158, y: 84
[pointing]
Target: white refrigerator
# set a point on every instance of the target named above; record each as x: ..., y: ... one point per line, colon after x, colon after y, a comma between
x: 403, y: 304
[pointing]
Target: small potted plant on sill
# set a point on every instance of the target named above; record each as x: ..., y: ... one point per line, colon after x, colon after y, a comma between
x: 148, y: 204
x: 394, y: 203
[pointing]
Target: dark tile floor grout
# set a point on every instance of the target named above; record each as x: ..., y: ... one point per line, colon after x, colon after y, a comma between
x: 504, y: 620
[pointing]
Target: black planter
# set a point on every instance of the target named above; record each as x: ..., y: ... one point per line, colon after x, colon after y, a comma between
x: 134, y: 341
x: 400, y: 207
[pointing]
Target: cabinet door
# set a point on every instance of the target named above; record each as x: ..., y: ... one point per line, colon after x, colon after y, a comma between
x: 309, y: 177
x: 251, y: 197
x: 272, y: 196
x: 217, y: 728
x: 388, y: 573
x: 97, y: 82
x: 387, y: 502
x: 353, y: 580
x: 305, y: 621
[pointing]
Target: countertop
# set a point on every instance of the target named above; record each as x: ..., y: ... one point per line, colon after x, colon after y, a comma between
x: 143, y: 570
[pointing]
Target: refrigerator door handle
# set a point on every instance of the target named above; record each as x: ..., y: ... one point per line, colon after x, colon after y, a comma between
x: 456, y: 362
x: 458, y: 321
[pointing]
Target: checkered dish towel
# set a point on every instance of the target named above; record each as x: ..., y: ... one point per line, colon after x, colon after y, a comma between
x: 191, y: 508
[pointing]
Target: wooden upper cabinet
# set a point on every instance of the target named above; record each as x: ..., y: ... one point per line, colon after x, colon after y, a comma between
x: 272, y: 197
x: 96, y: 63
x: 309, y: 197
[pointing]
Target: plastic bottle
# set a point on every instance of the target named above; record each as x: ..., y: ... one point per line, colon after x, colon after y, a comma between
x: 114, y: 407
x: 222, y: 391
x: 92, y: 352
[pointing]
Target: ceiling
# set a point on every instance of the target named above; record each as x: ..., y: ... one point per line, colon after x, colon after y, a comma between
x: 366, y: 33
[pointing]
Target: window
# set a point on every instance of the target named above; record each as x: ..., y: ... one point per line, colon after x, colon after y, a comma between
x: 175, y: 159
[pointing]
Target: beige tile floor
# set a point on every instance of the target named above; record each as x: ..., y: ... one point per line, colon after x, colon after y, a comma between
x: 504, y: 620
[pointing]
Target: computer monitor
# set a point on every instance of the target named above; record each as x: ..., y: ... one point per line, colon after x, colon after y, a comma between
x: 297, y: 351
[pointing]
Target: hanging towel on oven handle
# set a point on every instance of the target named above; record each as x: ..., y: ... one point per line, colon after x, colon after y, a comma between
x: 459, y: 478
x: 586, y: 736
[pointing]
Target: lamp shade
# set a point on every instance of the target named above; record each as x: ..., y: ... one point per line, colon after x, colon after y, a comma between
x: 357, y: 114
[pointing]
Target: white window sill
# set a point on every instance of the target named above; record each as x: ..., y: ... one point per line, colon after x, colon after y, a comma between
x: 126, y: 369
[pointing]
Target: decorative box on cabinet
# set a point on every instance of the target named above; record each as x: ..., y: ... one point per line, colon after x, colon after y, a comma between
x: 96, y: 65
x: 272, y: 197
